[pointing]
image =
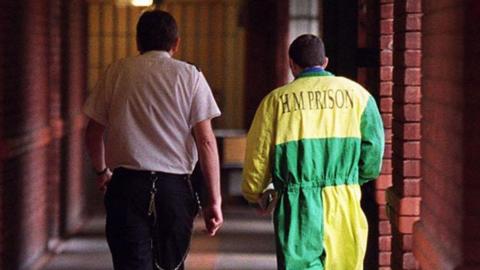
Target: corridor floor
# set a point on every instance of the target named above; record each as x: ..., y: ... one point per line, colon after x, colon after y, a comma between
x: 245, y: 243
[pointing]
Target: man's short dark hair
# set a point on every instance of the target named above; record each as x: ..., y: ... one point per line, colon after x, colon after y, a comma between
x: 307, y: 51
x: 156, y: 30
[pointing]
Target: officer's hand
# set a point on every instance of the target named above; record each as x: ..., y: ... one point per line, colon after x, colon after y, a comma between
x: 213, y: 218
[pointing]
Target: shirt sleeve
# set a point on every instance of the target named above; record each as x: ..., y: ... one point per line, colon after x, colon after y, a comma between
x: 96, y: 104
x: 203, y: 103
x: 372, y: 144
x: 259, y: 152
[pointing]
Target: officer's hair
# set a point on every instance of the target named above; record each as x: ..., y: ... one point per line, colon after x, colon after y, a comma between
x: 307, y: 51
x: 156, y: 30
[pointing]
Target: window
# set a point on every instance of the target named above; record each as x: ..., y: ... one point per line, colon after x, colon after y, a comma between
x: 304, y: 18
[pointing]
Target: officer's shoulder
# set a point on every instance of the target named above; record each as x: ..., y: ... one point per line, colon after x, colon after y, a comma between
x: 184, y: 65
x: 195, y: 66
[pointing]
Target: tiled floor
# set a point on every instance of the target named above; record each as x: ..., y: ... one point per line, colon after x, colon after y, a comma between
x: 245, y: 243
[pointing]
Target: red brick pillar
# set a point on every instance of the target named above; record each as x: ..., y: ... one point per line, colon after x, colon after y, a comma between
x: 73, y: 93
x: 42, y: 85
x: 25, y: 133
x: 448, y: 235
x: 5, y: 17
x: 403, y: 198
x: 386, y: 101
x: 55, y: 120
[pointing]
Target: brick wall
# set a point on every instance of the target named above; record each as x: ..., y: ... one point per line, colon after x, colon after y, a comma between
x: 386, y: 101
x: 42, y: 86
x: 403, y: 198
x: 448, y: 235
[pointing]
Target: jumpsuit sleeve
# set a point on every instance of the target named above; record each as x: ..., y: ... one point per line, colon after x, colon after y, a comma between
x: 372, y: 143
x: 258, y: 157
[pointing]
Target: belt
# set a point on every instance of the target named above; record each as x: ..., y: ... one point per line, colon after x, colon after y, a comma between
x: 146, y: 173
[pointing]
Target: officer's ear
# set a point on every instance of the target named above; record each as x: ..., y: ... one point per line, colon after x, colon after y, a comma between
x: 139, y: 46
x: 176, y: 46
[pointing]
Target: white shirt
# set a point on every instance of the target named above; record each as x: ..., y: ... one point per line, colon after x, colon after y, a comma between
x: 149, y: 104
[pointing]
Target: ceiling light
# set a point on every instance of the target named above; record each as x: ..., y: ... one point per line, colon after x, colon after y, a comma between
x: 136, y: 3
x: 141, y: 3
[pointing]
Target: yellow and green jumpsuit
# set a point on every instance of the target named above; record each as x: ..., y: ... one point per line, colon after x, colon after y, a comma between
x: 317, y: 139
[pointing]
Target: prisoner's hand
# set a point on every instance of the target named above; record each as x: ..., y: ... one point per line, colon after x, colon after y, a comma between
x: 213, y: 219
x: 267, y: 202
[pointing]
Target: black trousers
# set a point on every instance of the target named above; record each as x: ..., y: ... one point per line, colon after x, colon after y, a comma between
x: 146, y: 236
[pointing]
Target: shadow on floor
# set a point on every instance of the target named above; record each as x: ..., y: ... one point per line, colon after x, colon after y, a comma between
x: 246, y: 242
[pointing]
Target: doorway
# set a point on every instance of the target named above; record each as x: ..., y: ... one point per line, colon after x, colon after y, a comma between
x: 351, y: 36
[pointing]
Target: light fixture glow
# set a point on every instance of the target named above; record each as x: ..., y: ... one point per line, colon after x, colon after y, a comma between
x: 141, y: 3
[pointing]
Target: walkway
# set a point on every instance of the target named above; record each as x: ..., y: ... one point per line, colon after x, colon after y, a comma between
x: 244, y: 243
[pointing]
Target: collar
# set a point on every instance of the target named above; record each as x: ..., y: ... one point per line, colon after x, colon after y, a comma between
x: 313, y: 72
x: 158, y: 53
